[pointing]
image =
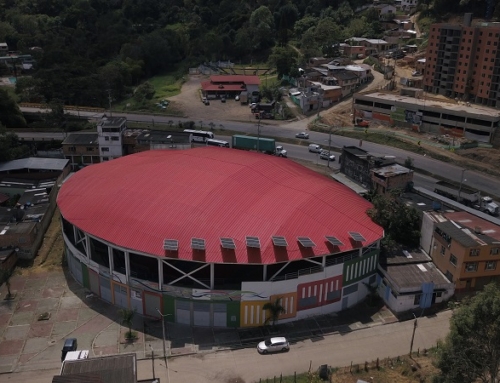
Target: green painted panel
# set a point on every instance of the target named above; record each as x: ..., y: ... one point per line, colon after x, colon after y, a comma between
x: 360, y: 268
x: 233, y: 314
x: 169, y: 307
x: 85, y: 275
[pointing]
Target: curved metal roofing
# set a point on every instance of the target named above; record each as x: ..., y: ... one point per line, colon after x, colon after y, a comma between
x: 210, y: 193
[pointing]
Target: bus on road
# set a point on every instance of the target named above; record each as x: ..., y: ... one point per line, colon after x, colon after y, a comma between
x: 199, y: 135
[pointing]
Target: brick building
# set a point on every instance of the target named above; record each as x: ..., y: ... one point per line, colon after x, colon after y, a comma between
x: 463, y: 61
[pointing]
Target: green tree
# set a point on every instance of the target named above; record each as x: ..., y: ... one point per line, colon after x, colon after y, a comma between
x: 275, y: 309
x: 262, y: 27
x: 127, y: 317
x: 401, y: 223
x: 10, y: 114
x: 471, y: 351
x: 145, y: 91
x: 283, y: 58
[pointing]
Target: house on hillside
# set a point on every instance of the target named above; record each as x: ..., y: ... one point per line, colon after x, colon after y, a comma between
x: 347, y: 80
x: 385, y: 9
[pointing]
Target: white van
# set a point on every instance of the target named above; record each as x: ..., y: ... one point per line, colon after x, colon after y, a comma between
x: 314, y: 148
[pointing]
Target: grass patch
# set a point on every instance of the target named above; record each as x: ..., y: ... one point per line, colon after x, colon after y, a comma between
x: 402, y: 369
x: 165, y: 85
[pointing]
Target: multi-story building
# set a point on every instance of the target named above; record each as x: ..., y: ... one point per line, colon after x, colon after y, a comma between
x: 468, y: 256
x: 357, y: 164
x: 475, y: 122
x: 463, y: 61
x: 110, y: 137
x: 391, y: 177
x: 81, y: 149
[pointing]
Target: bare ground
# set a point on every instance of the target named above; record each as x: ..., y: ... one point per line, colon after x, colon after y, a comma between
x: 189, y: 102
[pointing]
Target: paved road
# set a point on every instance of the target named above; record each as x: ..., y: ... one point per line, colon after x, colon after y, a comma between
x: 301, y: 152
x: 337, y: 350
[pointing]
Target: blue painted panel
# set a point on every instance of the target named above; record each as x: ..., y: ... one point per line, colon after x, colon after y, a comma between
x: 427, y: 292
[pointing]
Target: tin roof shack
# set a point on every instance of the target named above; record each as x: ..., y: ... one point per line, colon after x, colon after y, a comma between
x: 23, y: 226
x: 391, y: 177
x: 112, y: 368
x: 409, y: 281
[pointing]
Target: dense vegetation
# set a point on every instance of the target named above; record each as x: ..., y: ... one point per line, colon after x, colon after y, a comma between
x: 94, y: 52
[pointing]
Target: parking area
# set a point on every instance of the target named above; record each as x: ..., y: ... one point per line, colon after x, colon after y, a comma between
x: 189, y: 102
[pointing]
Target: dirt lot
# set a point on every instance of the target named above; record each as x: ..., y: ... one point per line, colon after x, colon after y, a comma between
x: 189, y: 102
x: 50, y: 254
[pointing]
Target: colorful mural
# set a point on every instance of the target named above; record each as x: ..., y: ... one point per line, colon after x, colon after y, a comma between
x: 319, y: 293
x: 359, y: 268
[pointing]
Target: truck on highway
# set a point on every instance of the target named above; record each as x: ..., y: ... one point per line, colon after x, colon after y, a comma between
x: 467, y: 196
x: 261, y: 144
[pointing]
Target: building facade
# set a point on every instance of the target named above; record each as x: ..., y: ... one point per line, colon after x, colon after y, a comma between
x: 207, y: 263
x: 391, y: 177
x: 110, y: 137
x: 463, y: 61
x: 424, y: 114
x: 468, y: 258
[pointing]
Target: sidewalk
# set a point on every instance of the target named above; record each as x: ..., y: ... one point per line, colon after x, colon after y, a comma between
x: 28, y: 344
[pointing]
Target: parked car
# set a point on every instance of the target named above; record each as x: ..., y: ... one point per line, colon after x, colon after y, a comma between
x: 223, y: 99
x: 325, y: 155
x: 303, y: 135
x: 70, y: 344
x: 237, y: 98
x: 416, y: 73
x: 277, y: 344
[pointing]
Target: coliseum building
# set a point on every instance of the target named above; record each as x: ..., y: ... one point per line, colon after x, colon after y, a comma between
x: 210, y: 235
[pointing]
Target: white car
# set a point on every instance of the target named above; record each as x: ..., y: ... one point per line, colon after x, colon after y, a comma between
x: 277, y: 344
x: 302, y: 135
x: 325, y: 155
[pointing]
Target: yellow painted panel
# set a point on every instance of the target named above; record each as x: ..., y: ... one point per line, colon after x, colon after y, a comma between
x: 251, y: 313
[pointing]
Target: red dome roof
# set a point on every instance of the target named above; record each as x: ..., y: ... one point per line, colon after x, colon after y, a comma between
x: 140, y: 200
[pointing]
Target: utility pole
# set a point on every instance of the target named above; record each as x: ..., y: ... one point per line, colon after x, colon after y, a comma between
x: 153, y: 361
x: 110, y: 99
x: 258, y: 135
x: 413, y: 335
x: 461, y: 182
x: 329, y: 144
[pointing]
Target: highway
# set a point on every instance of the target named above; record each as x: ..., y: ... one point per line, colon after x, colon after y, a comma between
x: 475, y: 180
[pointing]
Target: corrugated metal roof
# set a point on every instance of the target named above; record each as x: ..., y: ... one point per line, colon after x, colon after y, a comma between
x: 111, y: 368
x: 34, y: 163
x: 209, y: 86
x: 138, y: 201
x: 249, y: 80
